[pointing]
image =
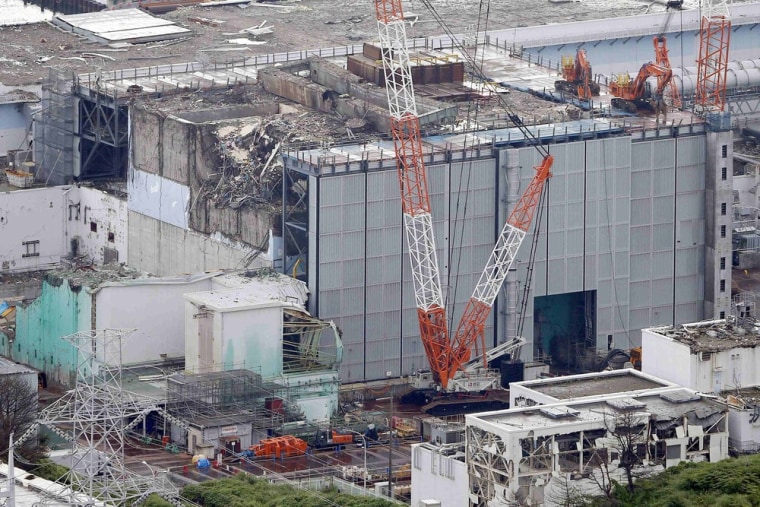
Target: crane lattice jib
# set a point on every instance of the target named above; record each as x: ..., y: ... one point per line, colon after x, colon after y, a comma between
x: 471, y: 329
x: 415, y: 200
x: 662, y: 59
x: 712, y: 64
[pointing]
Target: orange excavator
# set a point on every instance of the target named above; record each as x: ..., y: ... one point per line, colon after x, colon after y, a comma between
x: 576, y: 74
x: 631, y: 96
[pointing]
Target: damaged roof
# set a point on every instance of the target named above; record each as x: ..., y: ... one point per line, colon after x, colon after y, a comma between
x: 595, y: 384
x: 713, y: 336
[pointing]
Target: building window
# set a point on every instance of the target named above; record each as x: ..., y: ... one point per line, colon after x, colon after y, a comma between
x: 722, y: 263
x: 705, y: 356
x: 30, y: 248
x: 722, y: 315
x: 723, y: 208
x: 722, y: 231
x: 93, y: 227
x: 111, y: 237
x: 724, y: 151
x: 723, y: 286
x: 724, y: 174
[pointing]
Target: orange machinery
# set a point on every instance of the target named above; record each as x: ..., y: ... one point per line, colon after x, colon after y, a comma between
x: 279, y: 447
x: 633, y: 95
x: 577, y: 77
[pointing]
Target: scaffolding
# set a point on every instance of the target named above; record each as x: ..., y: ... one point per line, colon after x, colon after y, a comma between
x: 54, y: 130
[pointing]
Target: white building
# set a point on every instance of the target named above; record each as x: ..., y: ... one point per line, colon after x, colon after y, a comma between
x: 561, y: 435
x: 719, y: 357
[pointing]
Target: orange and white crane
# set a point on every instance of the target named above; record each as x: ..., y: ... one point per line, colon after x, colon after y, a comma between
x: 712, y: 63
x: 448, y: 357
x: 662, y: 57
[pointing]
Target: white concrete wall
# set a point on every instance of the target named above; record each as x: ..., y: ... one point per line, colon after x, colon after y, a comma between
x: 666, y: 359
x: 99, y: 222
x: 158, y: 197
x: 725, y: 370
x: 252, y: 339
x: 154, y: 308
x: 316, y: 393
x: 743, y: 434
x: 747, y: 187
x: 438, y: 477
x: 15, y: 121
x: 521, y: 395
x: 32, y: 215
x: 164, y: 249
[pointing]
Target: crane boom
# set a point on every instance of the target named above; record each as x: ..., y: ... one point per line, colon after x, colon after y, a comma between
x: 446, y: 357
x: 415, y: 200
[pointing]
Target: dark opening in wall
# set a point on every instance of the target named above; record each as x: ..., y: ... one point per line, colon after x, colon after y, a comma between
x: 93, y: 227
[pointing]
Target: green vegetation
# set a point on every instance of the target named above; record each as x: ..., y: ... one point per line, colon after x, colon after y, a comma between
x: 728, y: 483
x: 247, y: 491
x: 46, y: 469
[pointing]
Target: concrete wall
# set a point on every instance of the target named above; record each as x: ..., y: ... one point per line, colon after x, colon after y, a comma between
x: 60, y: 310
x: 438, y: 477
x: 54, y: 216
x: 316, y: 393
x: 32, y: 215
x: 250, y: 339
x: 15, y: 121
x: 99, y: 221
x: 173, y: 161
x: 164, y: 249
x: 667, y: 359
x: 154, y: 308
x: 743, y: 433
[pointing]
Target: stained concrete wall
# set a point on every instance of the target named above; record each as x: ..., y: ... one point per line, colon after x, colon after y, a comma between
x: 99, y: 221
x: 61, y: 310
x: 164, y: 249
x: 184, y: 152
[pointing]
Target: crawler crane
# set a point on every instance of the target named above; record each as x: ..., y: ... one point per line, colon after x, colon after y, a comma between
x: 452, y: 370
x: 633, y: 95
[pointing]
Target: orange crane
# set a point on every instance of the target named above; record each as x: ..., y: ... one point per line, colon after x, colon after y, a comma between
x: 577, y: 76
x: 661, y: 57
x: 448, y: 357
x: 632, y: 95
x: 712, y: 64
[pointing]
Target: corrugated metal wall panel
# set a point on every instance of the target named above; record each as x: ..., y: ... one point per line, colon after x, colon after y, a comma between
x: 353, y: 273
x: 557, y: 216
x: 557, y: 270
x: 687, y: 287
x: 662, y: 264
x: 575, y: 216
x: 642, y: 211
x: 622, y: 238
x: 641, y: 184
x: 691, y: 151
x: 575, y: 187
x: 591, y: 274
x: 330, y: 248
x: 663, y: 181
x: 375, y: 214
x: 353, y: 217
x: 690, y: 179
x: 641, y: 156
x: 352, y: 245
x: 331, y: 219
x: 591, y: 242
x: 574, y: 272
x: 620, y: 288
x: 574, y: 238
x: 376, y: 326
x: 330, y: 192
x: 353, y: 301
x: 641, y: 239
x: 640, y: 294
x: 662, y: 208
x: 621, y: 264
x: 557, y: 188
x: 692, y: 206
x: 330, y: 276
x: 687, y: 261
x: 391, y: 294
x: 662, y: 291
x: 605, y: 295
x: 641, y: 268
x: 353, y: 188
x: 688, y: 312
x: 604, y: 266
x: 662, y: 237
x: 663, y: 153
x: 557, y: 245
x: 639, y: 318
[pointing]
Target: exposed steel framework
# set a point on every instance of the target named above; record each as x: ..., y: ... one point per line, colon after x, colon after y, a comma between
x: 663, y: 60
x: 445, y: 356
x: 712, y: 64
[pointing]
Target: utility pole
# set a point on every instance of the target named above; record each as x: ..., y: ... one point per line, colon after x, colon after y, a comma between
x: 10, y: 493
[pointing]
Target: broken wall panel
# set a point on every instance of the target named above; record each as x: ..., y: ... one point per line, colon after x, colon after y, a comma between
x: 145, y: 130
x: 159, y: 198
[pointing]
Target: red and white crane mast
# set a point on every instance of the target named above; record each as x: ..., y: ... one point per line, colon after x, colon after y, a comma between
x: 712, y: 63
x: 415, y: 200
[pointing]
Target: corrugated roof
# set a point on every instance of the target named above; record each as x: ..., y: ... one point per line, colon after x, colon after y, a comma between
x: 8, y: 367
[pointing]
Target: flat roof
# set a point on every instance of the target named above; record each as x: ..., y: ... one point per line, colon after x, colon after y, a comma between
x: 237, y: 300
x: 595, y: 384
x: 713, y: 335
x: 666, y: 407
x: 122, y: 25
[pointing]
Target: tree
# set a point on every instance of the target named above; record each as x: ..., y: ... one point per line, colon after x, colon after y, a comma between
x: 628, y: 432
x: 18, y: 411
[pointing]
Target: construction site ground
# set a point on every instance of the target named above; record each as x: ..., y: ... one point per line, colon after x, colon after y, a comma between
x: 29, y: 51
